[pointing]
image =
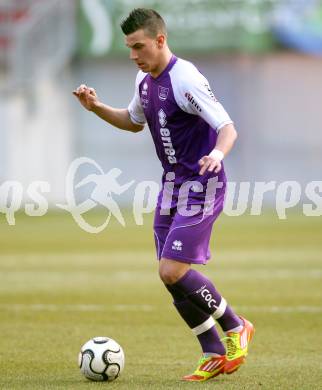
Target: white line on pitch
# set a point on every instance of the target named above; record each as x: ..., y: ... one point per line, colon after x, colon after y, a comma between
x: 147, y: 308
x: 279, y: 309
x: 76, y: 307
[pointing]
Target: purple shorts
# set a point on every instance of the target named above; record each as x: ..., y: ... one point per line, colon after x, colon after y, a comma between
x: 186, y: 238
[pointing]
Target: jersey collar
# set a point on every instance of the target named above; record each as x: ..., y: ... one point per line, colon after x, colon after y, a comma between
x: 167, y: 69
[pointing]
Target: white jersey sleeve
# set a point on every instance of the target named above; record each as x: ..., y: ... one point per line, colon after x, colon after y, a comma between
x: 194, y: 95
x: 135, y: 107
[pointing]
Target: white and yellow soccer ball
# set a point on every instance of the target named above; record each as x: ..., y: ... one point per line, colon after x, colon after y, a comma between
x: 101, y: 359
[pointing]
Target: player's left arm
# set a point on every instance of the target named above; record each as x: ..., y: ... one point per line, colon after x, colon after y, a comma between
x: 225, y: 140
x: 197, y: 98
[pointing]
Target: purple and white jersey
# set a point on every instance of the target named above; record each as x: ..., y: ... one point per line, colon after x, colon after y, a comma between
x: 183, y: 116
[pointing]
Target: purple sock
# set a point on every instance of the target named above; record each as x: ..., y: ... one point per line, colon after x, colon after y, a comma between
x: 201, y: 324
x: 202, y: 293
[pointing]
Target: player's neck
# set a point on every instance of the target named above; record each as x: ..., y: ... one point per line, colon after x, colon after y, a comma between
x: 163, y: 63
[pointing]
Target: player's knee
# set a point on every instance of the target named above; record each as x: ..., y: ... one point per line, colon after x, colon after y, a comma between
x: 170, y: 274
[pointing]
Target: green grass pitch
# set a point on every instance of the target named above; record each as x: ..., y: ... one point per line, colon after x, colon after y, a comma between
x: 60, y: 286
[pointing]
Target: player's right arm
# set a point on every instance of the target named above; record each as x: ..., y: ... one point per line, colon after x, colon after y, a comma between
x: 118, y: 117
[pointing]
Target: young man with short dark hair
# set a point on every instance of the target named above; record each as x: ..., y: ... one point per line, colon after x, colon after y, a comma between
x: 192, y: 134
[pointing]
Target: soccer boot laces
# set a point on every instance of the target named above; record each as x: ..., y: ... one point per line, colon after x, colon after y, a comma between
x: 237, y: 346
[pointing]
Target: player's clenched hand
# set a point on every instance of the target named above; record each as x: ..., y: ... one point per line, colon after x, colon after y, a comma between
x: 212, y: 162
x: 87, y: 97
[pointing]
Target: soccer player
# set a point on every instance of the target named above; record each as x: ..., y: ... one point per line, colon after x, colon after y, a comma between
x: 192, y: 134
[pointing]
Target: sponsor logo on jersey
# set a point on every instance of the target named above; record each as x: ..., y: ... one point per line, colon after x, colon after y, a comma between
x: 209, y: 90
x: 163, y: 92
x: 162, y: 118
x: 144, y: 102
x: 192, y: 101
x: 145, y: 89
x: 166, y: 138
x: 144, y: 93
x: 177, y: 245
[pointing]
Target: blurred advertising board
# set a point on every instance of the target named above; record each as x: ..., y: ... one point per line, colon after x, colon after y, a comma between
x: 204, y: 26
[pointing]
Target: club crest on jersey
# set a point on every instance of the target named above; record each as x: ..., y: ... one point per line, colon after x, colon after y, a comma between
x: 162, y: 118
x: 163, y: 92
